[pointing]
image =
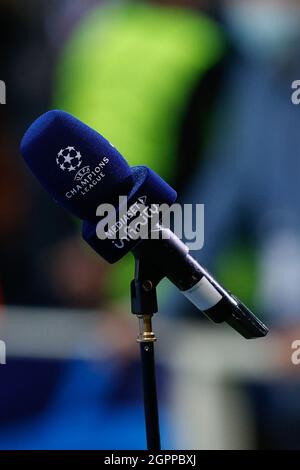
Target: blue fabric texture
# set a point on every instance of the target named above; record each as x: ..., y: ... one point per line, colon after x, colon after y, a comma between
x: 76, y: 165
x: 148, y: 186
x: 82, y: 170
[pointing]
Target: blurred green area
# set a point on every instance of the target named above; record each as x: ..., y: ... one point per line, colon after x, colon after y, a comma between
x: 128, y: 71
x: 238, y: 267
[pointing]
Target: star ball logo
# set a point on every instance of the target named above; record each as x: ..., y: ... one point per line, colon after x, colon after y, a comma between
x: 69, y: 159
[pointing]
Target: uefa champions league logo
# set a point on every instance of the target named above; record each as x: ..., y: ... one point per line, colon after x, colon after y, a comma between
x: 69, y: 159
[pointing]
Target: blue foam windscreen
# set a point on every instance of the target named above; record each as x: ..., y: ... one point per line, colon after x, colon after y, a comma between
x: 80, y: 169
x: 75, y: 164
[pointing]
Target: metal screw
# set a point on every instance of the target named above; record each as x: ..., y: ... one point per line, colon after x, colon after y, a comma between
x: 147, y: 286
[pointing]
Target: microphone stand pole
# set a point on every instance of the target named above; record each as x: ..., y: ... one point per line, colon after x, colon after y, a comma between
x: 144, y: 305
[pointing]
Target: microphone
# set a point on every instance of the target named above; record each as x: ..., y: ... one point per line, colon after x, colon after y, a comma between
x: 70, y: 160
x: 81, y: 170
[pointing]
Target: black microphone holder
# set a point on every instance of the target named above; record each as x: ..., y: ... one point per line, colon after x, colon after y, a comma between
x: 154, y: 261
x: 144, y: 305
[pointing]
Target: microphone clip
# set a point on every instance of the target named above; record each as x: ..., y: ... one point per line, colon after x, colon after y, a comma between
x: 143, y: 287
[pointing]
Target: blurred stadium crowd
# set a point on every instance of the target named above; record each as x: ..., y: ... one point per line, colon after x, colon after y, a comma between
x: 201, y: 92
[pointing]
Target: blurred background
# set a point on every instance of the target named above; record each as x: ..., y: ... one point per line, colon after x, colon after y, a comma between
x: 199, y: 90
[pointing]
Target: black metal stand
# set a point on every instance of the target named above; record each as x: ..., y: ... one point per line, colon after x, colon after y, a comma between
x: 144, y: 305
x: 150, y: 397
